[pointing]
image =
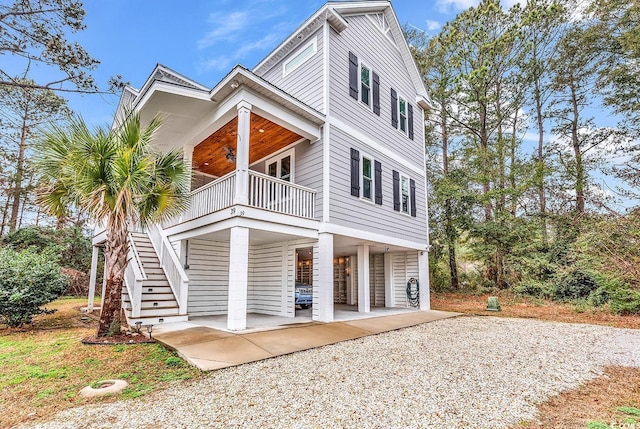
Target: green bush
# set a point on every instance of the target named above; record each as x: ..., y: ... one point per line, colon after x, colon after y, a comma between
x: 599, y: 297
x: 28, y: 280
x: 534, y: 288
x: 68, y: 246
x: 576, y: 284
x: 625, y: 301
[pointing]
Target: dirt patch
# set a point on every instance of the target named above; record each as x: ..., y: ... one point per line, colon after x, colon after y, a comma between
x: 596, y: 400
x: 124, y: 338
x: 517, y: 306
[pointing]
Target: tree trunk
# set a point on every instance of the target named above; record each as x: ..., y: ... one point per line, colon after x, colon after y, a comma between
x: 540, y: 165
x: 580, y: 174
x: 484, y: 153
x: 17, y: 190
x: 448, y: 212
x: 116, y: 250
x: 512, y: 167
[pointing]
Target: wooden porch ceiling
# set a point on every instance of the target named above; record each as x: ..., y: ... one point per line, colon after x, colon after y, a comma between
x: 266, y: 137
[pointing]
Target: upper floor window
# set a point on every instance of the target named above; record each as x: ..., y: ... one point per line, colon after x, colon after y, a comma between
x: 364, y: 83
x: 404, y: 194
x: 404, y: 190
x: 401, y: 114
x: 302, y: 55
x: 366, y: 177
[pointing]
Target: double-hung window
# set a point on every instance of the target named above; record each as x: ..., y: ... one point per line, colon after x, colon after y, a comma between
x: 365, y: 84
x: 367, y: 177
x: 402, y: 114
x: 404, y: 190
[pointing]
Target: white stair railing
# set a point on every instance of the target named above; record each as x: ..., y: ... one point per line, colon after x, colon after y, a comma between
x: 134, y: 275
x: 171, y: 266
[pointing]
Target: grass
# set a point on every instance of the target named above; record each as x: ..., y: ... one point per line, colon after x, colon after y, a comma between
x: 45, y: 366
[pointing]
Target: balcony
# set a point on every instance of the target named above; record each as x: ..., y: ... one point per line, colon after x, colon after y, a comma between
x: 264, y: 192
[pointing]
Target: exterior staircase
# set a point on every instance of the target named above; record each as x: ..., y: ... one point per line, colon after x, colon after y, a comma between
x: 158, y: 303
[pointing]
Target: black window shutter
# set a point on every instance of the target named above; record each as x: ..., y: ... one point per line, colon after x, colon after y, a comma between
x: 376, y: 94
x: 410, y: 121
x: 355, y: 172
x: 353, y: 75
x: 412, y: 196
x: 378, y: 181
x: 396, y: 191
x: 394, y: 108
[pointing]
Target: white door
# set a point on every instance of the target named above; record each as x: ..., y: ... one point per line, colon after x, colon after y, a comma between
x: 281, y: 166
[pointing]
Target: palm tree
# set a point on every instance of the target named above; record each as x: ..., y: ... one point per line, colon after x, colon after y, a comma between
x: 117, y: 179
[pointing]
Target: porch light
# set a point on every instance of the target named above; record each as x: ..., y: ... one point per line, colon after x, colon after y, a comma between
x: 261, y: 130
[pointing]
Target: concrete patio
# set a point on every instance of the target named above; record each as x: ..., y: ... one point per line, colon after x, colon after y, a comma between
x: 203, y: 343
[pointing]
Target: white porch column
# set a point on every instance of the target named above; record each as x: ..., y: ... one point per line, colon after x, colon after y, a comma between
x: 242, y: 153
x: 238, y: 278
x: 423, y: 277
x: 388, y: 280
x: 323, y: 293
x: 188, y: 160
x: 92, y: 278
x: 364, y: 297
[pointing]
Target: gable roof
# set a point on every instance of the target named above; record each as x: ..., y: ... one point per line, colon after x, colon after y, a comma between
x: 336, y: 12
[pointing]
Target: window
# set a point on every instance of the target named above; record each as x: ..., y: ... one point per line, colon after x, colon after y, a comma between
x: 402, y: 114
x: 404, y: 188
x: 280, y: 166
x: 297, y: 59
x: 367, y: 177
x: 404, y: 194
x: 365, y: 84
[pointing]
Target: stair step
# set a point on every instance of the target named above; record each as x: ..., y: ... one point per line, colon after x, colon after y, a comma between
x: 146, y: 312
x: 164, y: 305
x: 156, y: 320
x: 157, y: 296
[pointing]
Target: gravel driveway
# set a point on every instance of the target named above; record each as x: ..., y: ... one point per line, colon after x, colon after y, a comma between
x: 469, y: 372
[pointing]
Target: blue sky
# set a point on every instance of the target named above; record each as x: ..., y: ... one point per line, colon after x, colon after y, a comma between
x: 204, y: 39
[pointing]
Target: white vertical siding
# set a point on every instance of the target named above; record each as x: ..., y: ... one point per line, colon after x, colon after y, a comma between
x: 366, y: 41
x: 376, y: 280
x: 405, y: 266
x: 353, y: 212
x: 306, y: 82
x: 264, y: 290
x: 208, y: 277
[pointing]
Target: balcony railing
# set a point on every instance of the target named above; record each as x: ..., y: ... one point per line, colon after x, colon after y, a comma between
x: 265, y: 192
x: 269, y: 193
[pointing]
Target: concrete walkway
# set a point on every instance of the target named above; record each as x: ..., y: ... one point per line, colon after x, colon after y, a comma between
x: 209, y: 349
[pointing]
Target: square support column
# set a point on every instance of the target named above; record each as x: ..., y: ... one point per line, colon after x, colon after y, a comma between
x: 242, y: 153
x: 238, y: 278
x: 323, y: 290
x: 388, y: 281
x: 92, y: 278
x: 423, y: 277
x: 364, y: 296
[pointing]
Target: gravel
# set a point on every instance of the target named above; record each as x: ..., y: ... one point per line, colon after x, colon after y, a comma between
x: 466, y: 372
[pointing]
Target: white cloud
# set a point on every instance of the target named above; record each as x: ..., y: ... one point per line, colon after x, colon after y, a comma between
x: 226, y: 27
x: 433, y: 25
x: 458, y: 5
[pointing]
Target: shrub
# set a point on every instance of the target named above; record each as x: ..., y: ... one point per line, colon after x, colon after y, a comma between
x: 27, y: 281
x: 534, y: 288
x: 625, y: 301
x: 575, y: 284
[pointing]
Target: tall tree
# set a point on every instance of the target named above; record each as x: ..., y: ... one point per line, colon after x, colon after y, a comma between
x: 575, y: 73
x: 117, y: 178
x: 25, y: 109
x: 542, y: 26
